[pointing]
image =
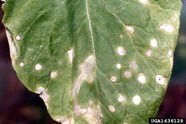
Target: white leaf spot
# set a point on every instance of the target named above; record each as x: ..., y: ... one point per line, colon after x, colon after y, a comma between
x: 53, y: 74
x: 113, y: 78
x: 38, y: 67
x: 170, y: 53
x: 40, y: 90
x: 141, y: 78
x: 111, y: 108
x: 130, y: 29
x: 21, y: 64
x: 176, y: 16
x: 121, y: 51
x: 86, y: 74
x: 125, y: 123
x: 167, y: 27
x: 121, y: 98
x: 127, y: 74
x: 160, y: 79
x: 136, y: 100
x: 143, y: 1
x: 71, y: 55
x: 13, y: 50
x: 118, y: 66
x: 121, y: 36
x: 18, y: 37
x: 149, y: 53
x: 133, y: 65
x: 153, y: 43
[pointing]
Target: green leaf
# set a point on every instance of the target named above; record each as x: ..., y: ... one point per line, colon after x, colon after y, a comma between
x: 94, y: 61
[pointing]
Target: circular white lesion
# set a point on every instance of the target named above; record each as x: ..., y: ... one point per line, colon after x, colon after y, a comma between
x: 160, y: 79
x: 121, y: 98
x: 170, y: 53
x: 167, y: 27
x: 125, y: 122
x: 130, y: 29
x: 18, y: 37
x: 111, y: 108
x: 38, y: 67
x: 53, y: 74
x: 21, y: 64
x: 133, y: 65
x: 143, y: 1
x: 153, y: 43
x: 121, y: 36
x: 136, y: 99
x: 113, y: 78
x: 141, y: 78
x: 42, y: 93
x: 127, y: 74
x: 121, y: 51
x: 118, y: 66
x: 149, y: 53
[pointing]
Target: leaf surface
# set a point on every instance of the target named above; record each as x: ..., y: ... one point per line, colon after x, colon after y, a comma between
x: 94, y: 61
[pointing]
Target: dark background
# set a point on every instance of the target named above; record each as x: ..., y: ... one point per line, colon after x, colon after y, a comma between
x: 19, y: 106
